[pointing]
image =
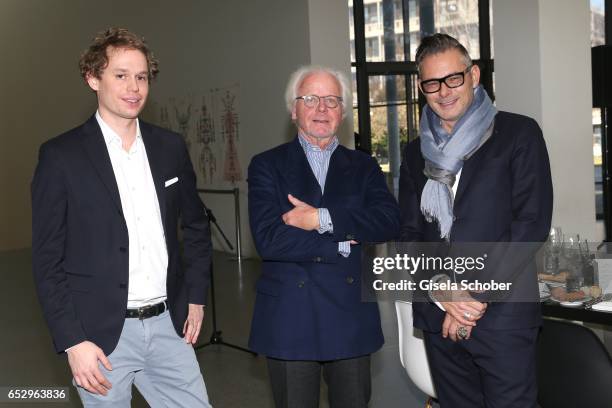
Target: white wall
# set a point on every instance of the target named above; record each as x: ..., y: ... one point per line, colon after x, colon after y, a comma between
x: 543, y: 70
x: 517, y: 57
x: 200, y: 44
x: 542, y: 64
x: 329, y: 45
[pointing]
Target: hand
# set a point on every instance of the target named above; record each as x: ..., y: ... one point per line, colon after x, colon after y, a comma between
x: 461, y: 306
x: 193, y: 324
x: 302, y: 216
x: 450, y: 326
x: 83, y: 360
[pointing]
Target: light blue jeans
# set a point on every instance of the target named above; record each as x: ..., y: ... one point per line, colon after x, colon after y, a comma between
x: 158, y: 362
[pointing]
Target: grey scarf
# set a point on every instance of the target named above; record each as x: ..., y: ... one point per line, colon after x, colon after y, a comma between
x: 445, y: 153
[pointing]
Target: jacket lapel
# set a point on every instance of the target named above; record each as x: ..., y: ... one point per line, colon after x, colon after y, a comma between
x: 470, y: 167
x: 97, y: 151
x: 300, y: 178
x: 466, y: 174
x: 338, y: 173
x: 155, y: 156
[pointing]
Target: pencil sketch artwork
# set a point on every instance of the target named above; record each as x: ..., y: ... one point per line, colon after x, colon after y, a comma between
x: 209, y: 124
x: 207, y: 162
x: 231, y: 168
x: 182, y: 114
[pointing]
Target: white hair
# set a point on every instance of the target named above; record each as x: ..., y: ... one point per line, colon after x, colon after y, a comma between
x: 296, y: 79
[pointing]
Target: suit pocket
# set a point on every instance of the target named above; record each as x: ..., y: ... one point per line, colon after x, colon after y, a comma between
x: 171, y: 179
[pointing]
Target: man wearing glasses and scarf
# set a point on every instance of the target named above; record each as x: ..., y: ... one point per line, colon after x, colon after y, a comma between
x: 476, y: 174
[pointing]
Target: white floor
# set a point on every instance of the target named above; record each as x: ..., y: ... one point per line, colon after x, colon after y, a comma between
x: 234, y: 379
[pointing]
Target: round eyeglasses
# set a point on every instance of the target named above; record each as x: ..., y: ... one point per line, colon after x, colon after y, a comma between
x: 312, y: 101
x: 454, y: 80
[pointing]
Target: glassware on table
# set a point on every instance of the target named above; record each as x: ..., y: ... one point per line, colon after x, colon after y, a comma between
x: 571, y: 253
x: 553, y: 251
x: 556, y: 237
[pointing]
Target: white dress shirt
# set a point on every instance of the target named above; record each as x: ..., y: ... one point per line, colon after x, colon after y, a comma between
x: 148, y: 255
x: 454, y: 188
x: 319, y: 164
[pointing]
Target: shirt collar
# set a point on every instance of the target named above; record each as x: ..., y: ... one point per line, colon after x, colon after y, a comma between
x: 111, y: 137
x: 307, y: 146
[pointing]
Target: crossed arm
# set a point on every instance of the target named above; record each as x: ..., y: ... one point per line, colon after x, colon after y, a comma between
x: 288, y: 232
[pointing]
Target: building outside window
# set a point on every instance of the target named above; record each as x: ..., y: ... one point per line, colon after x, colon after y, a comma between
x: 373, y: 48
x: 371, y: 13
x: 390, y: 32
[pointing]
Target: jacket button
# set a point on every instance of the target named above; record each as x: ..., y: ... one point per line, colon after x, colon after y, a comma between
x: 122, y: 286
x: 300, y: 284
x: 350, y: 280
x: 318, y: 259
x: 454, y: 218
x: 122, y: 249
x: 350, y: 237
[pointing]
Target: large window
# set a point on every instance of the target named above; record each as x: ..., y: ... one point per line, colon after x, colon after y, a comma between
x: 384, y: 37
x: 598, y: 37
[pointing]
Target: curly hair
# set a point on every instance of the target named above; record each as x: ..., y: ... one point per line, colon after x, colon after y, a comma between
x: 95, y: 58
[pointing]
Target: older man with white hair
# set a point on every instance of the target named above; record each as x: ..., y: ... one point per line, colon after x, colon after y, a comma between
x: 311, y: 203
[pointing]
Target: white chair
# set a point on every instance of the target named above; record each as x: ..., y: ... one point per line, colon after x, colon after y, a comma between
x: 412, y: 351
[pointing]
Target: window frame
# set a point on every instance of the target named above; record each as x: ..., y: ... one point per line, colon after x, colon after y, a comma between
x: 365, y: 69
x: 606, y: 152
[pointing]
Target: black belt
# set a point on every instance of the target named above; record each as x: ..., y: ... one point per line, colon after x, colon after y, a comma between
x: 146, y: 311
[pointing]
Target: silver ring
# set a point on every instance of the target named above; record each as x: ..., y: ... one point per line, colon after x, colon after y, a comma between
x: 467, y: 315
x: 462, y: 332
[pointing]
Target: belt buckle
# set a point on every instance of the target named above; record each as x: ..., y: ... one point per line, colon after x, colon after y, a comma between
x: 141, y: 311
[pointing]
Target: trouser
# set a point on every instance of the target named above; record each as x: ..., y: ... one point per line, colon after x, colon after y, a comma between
x: 296, y: 384
x: 492, y: 369
x: 158, y: 362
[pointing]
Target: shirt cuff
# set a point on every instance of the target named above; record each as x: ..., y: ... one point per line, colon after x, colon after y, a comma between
x: 344, y: 248
x: 440, y: 306
x: 436, y: 279
x: 325, y: 222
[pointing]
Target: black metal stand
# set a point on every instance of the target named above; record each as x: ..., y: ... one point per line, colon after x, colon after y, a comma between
x: 215, y: 337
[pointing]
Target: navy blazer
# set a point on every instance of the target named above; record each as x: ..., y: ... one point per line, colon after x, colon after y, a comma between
x: 80, y: 242
x: 504, y: 195
x: 308, y: 304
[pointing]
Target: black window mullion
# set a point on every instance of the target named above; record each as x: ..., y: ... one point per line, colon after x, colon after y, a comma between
x: 606, y: 151
x: 406, y: 17
x: 363, y: 91
x: 605, y: 174
x: 407, y: 77
x: 484, y: 34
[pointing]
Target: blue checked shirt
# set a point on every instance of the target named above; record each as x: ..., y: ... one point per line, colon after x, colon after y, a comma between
x: 319, y: 163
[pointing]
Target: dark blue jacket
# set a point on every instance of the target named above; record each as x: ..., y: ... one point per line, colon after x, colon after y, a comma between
x: 504, y: 195
x: 80, y: 242
x: 308, y: 304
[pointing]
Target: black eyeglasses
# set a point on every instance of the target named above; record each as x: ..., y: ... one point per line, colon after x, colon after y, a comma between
x: 451, y: 81
x: 311, y: 101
